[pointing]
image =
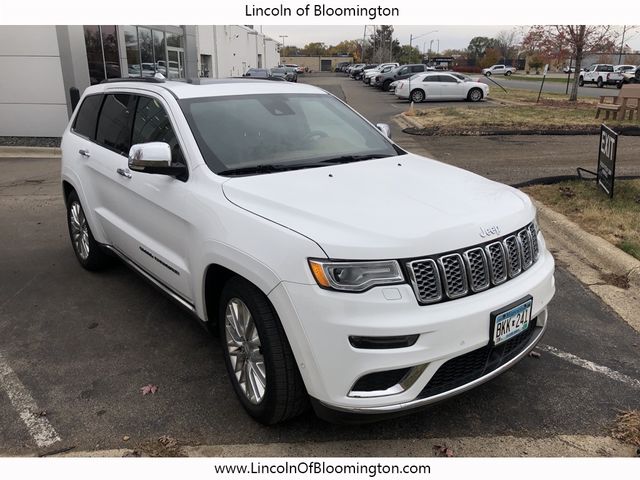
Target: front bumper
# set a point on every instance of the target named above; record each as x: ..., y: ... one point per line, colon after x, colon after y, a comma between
x: 319, y: 323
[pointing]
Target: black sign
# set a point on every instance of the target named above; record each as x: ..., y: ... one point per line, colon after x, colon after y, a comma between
x: 607, y: 159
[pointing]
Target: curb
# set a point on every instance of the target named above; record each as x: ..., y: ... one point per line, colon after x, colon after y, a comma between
x: 590, y: 247
x: 30, y: 152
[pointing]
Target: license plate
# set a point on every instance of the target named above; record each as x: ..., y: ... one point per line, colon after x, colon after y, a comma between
x: 511, y: 321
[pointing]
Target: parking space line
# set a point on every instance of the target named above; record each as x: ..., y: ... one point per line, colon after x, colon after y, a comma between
x: 38, y: 425
x: 581, y: 362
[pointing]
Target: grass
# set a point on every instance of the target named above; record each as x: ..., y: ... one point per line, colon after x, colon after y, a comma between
x: 538, y: 78
x: 516, y: 110
x: 627, y: 427
x: 616, y: 220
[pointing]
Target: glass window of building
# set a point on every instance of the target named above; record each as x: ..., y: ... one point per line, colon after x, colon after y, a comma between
x: 160, y: 51
x: 95, y: 61
x: 132, y: 50
x: 110, y: 49
x: 146, y: 52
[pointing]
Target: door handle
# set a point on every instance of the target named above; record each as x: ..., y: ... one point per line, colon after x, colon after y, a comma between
x: 84, y: 153
x: 124, y: 172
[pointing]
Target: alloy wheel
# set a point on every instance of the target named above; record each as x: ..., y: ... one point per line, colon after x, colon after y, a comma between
x: 245, y: 350
x: 79, y: 230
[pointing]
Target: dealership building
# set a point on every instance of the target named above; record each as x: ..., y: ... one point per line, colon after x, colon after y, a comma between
x: 39, y: 64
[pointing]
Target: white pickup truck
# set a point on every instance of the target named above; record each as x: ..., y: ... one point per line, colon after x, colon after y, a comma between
x: 498, y: 70
x: 601, y: 74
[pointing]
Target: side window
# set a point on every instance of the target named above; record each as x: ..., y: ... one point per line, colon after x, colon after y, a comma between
x: 87, y: 117
x: 152, y: 124
x: 403, y: 70
x: 116, y: 119
x: 417, y: 68
x: 447, y: 79
x: 431, y: 78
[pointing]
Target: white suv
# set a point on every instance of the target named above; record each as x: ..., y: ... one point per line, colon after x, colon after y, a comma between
x: 336, y: 266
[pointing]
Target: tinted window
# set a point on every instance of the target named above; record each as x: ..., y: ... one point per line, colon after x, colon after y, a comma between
x: 115, y: 123
x: 431, y: 78
x: 85, y: 123
x: 152, y: 125
x: 403, y: 70
x: 447, y: 79
x: 417, y: 68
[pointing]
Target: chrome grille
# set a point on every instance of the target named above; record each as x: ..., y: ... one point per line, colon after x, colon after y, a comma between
x: 513, y: 255
x: 454, y: 275
x: 426, y: 280
x: 478, y: 269
x: 497, y: 263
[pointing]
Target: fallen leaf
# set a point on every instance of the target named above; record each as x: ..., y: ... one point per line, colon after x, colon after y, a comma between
x: 442, y: 451
x: 126, y: 438
x: 149, y: 389
x: 534, y: 354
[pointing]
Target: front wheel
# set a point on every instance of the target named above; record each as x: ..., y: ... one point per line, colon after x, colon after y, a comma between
x: 386, y: 85
x: 508, y: 73
x: 581, y: 82
x: 474, y: 95
x: 488, y: 74
x: 600, y: 83
x: 417, y: 96
x: 259, y: 360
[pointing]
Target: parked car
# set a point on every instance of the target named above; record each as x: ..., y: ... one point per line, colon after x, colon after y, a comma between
x: 287, y: 73
x: 441, y: 86
x: 298, y: 68
x: 350, y: 68
x: 358, y: 73
x: 340, y: 67
x: 384, y: 80
x: 336, y: 266
x: 382, y: 68
x: 624, y: 68
x: 601, y: 74
x: 498, y: 70
x: 630, y: 76
x: 258, y: 73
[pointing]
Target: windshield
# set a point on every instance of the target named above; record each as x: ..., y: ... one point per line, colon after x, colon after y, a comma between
x: 281, y: 130
x: 278, y: 70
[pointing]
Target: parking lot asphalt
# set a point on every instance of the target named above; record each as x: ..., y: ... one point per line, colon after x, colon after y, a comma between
x: 79, y: 346
x: 510, y: 159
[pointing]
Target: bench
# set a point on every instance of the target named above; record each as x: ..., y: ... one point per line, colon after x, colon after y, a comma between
x: 628, y: 100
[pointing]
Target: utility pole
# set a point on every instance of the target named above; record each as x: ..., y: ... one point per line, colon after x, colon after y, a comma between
x: 624, y: 30
x: 438, y: 47
x: 364, y: 35
x: 283, y: 37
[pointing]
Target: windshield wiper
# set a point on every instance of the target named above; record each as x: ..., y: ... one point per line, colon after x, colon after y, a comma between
x: 267, y: 168
x: 352, y: 158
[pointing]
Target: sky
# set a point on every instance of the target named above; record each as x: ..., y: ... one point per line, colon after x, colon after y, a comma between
x: 449, y: 36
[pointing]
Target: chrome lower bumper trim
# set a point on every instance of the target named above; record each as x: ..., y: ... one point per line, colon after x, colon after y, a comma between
x: 444, y: 395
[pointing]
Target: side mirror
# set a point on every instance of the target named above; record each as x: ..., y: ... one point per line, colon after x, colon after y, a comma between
x: 385, y: 129
x: 154, y: 157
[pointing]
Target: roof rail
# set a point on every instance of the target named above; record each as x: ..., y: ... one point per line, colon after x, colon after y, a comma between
x: 157, y: 78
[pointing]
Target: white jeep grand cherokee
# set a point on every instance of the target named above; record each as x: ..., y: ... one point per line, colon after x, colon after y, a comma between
x: 336, y: 266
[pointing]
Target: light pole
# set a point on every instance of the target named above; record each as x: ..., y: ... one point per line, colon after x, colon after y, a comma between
x: 283, y: 37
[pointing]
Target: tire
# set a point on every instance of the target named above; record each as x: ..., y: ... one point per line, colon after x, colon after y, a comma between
x: 508, y: 73
x: 385, y: 85
x: 417, y: 96
x: 619, y: 85
x: 581, y: 82
x: 475, y: 95
x: 281, y: 395
x: 89, y: 253
x: 488, y: 74
x: 600, y: 83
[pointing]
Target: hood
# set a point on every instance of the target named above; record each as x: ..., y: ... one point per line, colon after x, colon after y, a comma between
x: 395, y: 207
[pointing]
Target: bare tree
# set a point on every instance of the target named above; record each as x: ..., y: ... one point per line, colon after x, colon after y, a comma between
x: 575, y: 39
x: 506, y: 41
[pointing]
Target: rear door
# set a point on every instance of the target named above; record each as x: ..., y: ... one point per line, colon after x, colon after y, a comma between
x: 431, y: 86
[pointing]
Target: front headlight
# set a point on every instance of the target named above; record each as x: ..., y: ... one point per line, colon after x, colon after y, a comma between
x: 355, y: 276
